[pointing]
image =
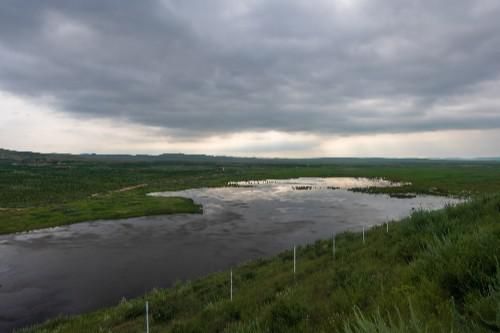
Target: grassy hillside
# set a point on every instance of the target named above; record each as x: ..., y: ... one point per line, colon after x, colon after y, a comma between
x: 435, y: 271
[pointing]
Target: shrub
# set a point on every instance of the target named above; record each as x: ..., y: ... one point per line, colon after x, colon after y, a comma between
x: 286, y: 315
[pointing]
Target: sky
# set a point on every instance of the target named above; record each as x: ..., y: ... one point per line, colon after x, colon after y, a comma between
x: 268, y: 78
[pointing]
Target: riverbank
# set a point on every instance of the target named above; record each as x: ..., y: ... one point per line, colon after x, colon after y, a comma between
x: 435, y: 271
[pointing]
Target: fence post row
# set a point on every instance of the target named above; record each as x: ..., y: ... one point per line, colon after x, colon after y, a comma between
x: 294, y: 270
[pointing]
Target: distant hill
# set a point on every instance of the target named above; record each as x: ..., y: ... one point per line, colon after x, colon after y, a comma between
x: 24, y: 157
x: 32, y: 157
x: 496, y: 159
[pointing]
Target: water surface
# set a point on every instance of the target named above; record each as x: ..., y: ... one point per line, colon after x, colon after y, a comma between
x: 85, y: 266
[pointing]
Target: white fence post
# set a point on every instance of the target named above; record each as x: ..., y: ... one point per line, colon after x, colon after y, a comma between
x: 147, y: 317
x: 333, y: 246
x: 294, y: 258
x: 387, y: 226
x: 363, y: 234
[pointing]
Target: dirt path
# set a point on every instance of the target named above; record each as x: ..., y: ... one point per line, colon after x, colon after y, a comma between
x: 4, y: 209
x: 125, y: 189
x: 130, y: 188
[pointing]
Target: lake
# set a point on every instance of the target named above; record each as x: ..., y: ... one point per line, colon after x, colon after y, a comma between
x: 85, y: 266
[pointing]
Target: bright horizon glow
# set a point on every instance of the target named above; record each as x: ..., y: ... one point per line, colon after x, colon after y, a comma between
x: 35, y: 126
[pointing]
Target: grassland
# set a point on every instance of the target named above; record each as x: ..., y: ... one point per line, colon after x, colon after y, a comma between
x: 106, y: 206
x: 433, y: 272
x: 48, y: 192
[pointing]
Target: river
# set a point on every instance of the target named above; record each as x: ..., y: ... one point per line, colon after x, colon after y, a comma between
x: 85, y: 266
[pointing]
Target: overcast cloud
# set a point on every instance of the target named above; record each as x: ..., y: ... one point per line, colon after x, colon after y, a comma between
x: 198, y: 68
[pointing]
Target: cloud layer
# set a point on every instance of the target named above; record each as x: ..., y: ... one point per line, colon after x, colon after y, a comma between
x: 203, y: 68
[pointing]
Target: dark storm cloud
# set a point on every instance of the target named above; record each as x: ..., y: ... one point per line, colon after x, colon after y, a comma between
x: 200, y: 67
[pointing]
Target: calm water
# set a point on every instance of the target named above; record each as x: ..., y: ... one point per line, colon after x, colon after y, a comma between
x: 89, y: 265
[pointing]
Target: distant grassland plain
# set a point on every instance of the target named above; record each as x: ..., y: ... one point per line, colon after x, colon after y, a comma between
x: 432, y: 272
x: 46, y: 193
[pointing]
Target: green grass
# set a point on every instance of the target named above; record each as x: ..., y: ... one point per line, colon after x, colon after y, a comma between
x: 108, y: 206
x: 433, y: 272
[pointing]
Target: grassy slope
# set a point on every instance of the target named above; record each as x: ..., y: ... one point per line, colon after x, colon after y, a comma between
x: 436, y: 271
x: 49, y: 194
